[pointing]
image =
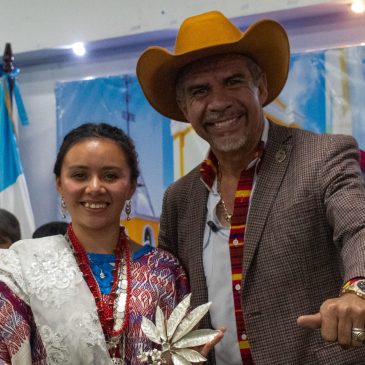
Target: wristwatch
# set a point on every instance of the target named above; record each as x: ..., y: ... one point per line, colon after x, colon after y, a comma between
x: 357, y: 287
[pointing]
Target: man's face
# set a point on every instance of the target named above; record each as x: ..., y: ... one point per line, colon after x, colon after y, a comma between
x: 223, y: 102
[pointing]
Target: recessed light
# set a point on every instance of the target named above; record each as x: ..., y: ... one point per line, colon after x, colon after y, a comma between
x: 79, y: 49
x: 358, y: 6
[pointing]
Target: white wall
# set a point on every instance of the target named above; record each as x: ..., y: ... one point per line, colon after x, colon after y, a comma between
x: 37, y: 24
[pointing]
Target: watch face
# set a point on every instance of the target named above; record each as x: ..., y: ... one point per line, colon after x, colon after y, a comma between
x: 361, y: 285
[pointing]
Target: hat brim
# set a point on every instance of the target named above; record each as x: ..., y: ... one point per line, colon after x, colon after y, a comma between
x: 266, y: 42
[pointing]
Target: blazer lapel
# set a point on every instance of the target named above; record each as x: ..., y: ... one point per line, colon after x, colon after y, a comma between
x: 195, y: 225
x: 270, y: 176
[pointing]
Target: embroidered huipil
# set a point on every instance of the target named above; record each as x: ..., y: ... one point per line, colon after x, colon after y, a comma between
x: 217, y: 258
x: 48, y: 287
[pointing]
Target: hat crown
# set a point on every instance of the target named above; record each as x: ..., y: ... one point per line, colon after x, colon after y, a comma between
x: 205, y: 30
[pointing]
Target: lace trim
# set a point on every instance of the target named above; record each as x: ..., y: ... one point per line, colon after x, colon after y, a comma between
x: 53, y: 276
x: 11, y: 273
x: 58, y: 342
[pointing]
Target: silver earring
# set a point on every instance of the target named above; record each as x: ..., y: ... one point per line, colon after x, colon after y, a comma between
x: 63, y: 208
x: 128, y: 209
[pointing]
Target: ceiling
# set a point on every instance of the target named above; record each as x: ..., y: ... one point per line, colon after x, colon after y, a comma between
x: 295, y: 20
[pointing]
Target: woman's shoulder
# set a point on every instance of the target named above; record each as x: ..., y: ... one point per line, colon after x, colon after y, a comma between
x: 154, y: 253
x: 157, y: 259
x: 34, y: 244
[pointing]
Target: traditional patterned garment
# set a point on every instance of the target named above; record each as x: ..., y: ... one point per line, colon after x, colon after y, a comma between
x: 54, y: 296
x: 15, y: 314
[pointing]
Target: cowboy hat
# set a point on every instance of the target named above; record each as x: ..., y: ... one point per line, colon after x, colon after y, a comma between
x: 265, y: 41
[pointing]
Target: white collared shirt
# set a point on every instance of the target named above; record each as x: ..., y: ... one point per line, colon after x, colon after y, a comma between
x: 217, y: 269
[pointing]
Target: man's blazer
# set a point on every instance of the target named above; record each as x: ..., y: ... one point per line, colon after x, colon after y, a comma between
x: 305, y: 236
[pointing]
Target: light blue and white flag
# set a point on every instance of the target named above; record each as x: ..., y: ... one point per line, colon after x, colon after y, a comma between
x: 14, y: 195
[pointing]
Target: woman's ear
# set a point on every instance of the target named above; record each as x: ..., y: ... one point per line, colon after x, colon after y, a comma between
x: 132, y: 190
x: 58, y: 185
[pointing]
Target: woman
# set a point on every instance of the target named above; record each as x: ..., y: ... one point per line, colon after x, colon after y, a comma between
x: 80, y: 298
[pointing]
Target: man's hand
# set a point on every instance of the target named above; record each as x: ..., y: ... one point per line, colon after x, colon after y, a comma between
x: 204, y: 350
x: 336, y: 319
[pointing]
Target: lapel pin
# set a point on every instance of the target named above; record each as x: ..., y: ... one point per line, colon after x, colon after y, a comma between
x: 280, y: 155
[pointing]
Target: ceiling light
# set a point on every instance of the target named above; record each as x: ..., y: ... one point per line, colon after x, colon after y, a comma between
x: 358, y: 6
x: 79, y: 49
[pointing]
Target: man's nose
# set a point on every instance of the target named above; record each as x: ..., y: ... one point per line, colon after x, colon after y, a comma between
x: 219, y: 101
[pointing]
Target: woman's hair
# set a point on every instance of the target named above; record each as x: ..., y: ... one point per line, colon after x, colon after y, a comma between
x: 9, y: 226
x: 102, y: 130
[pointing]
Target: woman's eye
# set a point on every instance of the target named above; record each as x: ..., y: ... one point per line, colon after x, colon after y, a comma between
x: 78, y: 175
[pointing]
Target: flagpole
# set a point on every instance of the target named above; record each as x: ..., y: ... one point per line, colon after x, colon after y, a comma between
x: 8, y: 59
x: 14, y: 195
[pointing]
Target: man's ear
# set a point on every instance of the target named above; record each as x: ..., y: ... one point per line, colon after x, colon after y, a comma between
x: 182, y: 105
x: 262, y: 86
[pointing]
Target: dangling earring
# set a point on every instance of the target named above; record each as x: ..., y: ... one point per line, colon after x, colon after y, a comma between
x: 128, y: 209
x: 63, y: 208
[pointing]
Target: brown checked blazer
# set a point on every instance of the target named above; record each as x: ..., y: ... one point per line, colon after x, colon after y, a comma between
x: 305, y: 236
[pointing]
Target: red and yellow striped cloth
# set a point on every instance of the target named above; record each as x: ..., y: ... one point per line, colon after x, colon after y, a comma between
x: 208, y: 172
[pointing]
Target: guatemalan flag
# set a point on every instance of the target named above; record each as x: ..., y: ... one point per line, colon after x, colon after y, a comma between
x: 14, y: 195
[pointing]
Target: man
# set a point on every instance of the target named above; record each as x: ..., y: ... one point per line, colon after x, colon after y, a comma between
x: 272, y: 224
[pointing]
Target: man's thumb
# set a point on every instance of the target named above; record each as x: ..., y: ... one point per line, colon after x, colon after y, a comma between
x: 310, y: 321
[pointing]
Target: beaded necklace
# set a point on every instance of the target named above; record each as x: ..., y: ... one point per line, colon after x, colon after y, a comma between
x: 113, y: 309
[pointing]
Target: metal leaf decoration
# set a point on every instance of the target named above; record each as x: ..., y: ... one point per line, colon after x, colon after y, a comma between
x: 196, y: 338
x: 191, y: 320
x: 175, y: 335
x: 190, y: 355
x: 150, y: 330
x: 160, y: 324
x: 179, y: 360
x: 177, y: 315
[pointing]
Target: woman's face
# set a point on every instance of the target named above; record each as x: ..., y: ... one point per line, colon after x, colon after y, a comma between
x: 95, y: 181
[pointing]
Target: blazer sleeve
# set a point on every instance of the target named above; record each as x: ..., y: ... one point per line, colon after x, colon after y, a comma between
x: 344, y: 198
x: 168, y: 227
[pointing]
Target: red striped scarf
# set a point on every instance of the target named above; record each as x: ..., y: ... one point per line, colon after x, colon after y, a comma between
x: 208, y: 172
x: 236, y: 244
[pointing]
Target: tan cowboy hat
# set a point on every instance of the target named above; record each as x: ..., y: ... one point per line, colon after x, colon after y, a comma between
x: 265, y: 41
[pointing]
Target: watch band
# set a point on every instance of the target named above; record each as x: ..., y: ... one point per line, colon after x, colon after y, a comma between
x: 356, y: 287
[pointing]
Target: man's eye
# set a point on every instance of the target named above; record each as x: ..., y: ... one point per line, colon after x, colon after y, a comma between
x: 110, y: 177
x: 235, y: 81
x: 198, y: 92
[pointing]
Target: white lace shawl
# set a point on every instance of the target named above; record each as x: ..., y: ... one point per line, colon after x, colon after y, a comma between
x: 43, y: 272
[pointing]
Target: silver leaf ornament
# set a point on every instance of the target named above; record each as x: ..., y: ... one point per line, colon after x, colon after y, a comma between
x: 175, y: 335
x: 196, y: 338
x: 179, y: 360
x: 190, y: 321
x: 190, y: 355
x: 177, y: 315
x: 150, y: 330
x: 160, y: 324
